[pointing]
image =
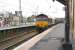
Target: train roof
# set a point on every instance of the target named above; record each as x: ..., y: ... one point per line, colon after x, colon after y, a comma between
x: 42, y: 16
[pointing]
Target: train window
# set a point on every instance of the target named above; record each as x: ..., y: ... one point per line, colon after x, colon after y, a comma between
x: 40, y: 19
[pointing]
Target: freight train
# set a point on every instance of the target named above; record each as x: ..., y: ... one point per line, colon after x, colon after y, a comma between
x: 43, y: 22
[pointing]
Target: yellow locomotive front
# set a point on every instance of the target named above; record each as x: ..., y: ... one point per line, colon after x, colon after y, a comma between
x: 41, y: 22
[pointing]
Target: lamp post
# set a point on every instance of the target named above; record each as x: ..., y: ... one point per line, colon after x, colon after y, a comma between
x: 19, y: 5
x: 20, y: 13
x: 67, y: 44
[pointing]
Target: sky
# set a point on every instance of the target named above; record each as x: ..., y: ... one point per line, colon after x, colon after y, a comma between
x: 29, y: 7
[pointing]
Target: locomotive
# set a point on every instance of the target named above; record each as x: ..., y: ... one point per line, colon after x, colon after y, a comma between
x: 42, y: 22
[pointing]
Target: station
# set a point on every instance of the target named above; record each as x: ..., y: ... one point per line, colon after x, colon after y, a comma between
x: 39, y: 32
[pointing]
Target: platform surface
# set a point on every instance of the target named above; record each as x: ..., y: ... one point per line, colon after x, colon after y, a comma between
x: 52, y: 41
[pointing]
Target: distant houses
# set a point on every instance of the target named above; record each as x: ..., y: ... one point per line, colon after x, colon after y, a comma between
x: 10, y: 19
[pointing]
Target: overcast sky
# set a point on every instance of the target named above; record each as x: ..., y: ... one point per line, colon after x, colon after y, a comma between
x: 29, y: 7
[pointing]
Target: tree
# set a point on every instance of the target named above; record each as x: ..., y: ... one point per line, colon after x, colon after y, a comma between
x: 29, y: 19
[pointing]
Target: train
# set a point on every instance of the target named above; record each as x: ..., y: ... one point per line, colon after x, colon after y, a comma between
x: 43, y: 22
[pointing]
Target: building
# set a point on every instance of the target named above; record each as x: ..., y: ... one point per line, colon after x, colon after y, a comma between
x: 19, y: 14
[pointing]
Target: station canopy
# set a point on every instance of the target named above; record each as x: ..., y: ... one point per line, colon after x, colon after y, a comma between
x: 61, y: 1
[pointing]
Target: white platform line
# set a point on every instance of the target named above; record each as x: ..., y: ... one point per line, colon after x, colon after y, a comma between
x: 28, y: 44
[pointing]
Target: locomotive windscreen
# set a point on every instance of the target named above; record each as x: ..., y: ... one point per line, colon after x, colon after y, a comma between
x: 42, y: 17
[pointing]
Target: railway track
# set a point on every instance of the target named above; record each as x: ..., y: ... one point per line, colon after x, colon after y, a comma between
x: 12, y: 42
x: 7, y: 44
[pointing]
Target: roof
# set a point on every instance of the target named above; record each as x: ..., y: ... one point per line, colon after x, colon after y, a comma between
x: 42, y: 16
x: 61, y: 1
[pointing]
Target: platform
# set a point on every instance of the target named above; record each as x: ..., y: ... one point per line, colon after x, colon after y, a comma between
x: 48, y: 40
x: 17, y: 26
